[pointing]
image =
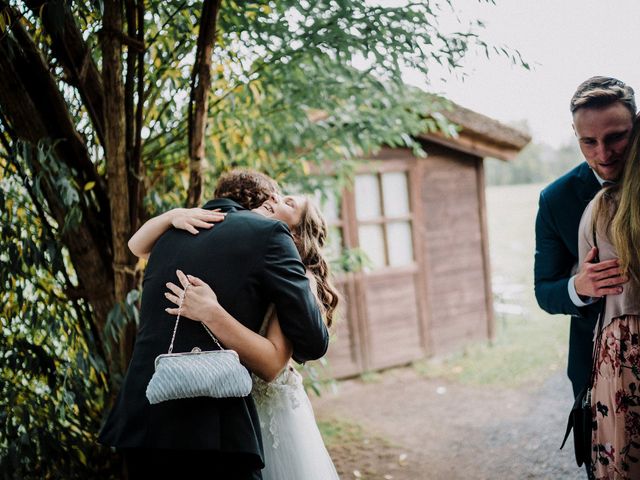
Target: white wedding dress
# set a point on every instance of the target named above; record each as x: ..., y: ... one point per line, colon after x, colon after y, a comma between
x: 293, y: 446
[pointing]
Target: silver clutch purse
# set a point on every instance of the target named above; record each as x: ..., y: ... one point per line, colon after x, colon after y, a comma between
x: 214, y: 373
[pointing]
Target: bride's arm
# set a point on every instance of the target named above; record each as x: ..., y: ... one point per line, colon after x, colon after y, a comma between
x: 276, y: 336
x: 189, y: 219
x: 264, y: 356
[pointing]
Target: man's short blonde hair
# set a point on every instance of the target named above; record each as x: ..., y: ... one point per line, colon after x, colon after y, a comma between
x: 597, y: 92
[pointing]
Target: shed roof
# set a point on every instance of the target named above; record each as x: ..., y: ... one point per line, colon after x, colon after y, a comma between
x: 480, y: 135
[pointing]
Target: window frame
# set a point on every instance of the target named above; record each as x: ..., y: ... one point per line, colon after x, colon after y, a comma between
x: 378, y: 168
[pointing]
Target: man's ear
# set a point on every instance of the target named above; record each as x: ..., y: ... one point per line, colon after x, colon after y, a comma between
x: 574, y: 129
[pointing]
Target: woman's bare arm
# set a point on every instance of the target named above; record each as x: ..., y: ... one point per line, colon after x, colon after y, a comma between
x: 282, y: 346
x: 189, y: 219
x: 264, y: 356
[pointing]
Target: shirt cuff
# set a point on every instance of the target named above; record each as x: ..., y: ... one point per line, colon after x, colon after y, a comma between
x: 575, y: 298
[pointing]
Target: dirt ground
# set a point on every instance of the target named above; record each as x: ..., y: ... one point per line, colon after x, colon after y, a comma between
x: 403, y: 426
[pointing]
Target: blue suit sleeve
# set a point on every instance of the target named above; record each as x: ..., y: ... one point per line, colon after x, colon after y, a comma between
x: 552, y: 266
x: 288, y: 288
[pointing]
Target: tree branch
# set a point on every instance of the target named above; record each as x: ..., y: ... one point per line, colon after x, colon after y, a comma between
x: 70, y: 49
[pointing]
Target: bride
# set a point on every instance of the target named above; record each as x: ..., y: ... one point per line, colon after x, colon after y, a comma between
x: 293, y: 446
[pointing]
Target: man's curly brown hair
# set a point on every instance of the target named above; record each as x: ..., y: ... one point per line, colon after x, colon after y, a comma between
x: 249, y: 188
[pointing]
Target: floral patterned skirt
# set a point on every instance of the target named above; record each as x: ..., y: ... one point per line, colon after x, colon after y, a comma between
x: 615, y: 401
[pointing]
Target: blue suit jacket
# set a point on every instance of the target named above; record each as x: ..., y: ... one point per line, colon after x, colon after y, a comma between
x: 560, y: 209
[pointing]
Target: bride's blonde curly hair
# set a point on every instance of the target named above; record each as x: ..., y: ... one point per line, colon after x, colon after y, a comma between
x: 310, y: 236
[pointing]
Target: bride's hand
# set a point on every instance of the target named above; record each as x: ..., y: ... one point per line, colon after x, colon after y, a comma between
x: 199, y: 303
x: 190, y: 219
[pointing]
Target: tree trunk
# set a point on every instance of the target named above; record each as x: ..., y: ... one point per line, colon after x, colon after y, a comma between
x: 199, y: 101
x: 134, y: 87
x: 70, y: 49
x: 115, y: 153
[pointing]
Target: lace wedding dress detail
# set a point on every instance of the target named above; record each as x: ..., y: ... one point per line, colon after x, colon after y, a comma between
x: 293, y: 446
x: 276, y: 397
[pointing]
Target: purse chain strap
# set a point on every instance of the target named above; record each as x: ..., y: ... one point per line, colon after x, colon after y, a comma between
x: 175, y: 328
x: 596, y: 346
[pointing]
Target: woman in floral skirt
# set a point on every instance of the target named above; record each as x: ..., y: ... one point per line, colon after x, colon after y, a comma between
x: 614, y: 215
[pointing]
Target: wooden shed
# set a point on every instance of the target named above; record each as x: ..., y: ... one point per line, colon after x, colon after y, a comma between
x: 422, y: 223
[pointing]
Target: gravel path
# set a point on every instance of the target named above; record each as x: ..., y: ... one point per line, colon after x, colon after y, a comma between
x: 417, y: 428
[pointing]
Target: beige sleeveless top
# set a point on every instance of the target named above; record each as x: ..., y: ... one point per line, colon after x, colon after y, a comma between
x: 626, y: 303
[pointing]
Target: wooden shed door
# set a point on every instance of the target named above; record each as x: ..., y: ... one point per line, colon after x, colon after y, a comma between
x: 382, y: 224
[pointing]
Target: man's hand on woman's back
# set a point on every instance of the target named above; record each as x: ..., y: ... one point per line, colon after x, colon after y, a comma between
x: 599, y: 279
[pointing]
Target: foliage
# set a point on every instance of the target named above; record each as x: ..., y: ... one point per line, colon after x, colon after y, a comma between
x: 287, y: 95
x: 296, y: 86
x: 352, y: 260
x: 316, y: 377
x: 54, y: 384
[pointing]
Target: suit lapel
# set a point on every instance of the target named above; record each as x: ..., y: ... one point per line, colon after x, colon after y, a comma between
x: 581, y: 188
x: 589, y: 184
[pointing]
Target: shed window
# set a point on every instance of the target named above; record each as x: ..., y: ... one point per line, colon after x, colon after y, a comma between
x: 330, y: 204
x: 368, y: 197
x: 396, y: 193
x: 384, y: 218
x: 372, y: 242
x: 401, y: 246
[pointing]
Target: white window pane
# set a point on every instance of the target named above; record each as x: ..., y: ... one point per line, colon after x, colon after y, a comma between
x: 367, y: 194
x: 400, y: 243
x: 333, y: 247
x: 395, y: 193
x: 372, y: 242
x: 329, y: 204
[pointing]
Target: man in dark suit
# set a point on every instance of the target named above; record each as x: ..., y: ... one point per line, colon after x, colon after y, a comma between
x: 603, y: 109
x: 250, y: 261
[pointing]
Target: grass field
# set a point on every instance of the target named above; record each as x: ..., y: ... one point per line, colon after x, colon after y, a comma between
x: 529, y: 343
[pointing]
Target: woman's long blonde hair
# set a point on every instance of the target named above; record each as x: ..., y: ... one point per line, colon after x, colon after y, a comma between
x: 310, y: 236
x: 617, y: 209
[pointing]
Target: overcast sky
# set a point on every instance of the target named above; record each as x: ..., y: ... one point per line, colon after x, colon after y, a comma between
x: 566, y: 41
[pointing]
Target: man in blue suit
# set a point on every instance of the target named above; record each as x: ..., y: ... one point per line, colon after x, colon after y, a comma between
x: 603, y: 110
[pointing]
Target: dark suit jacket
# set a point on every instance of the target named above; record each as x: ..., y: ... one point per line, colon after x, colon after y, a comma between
x: 249, y: 261
x: 560, y: 209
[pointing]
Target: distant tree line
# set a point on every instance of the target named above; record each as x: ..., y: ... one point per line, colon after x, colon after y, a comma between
x: 536, y: 163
